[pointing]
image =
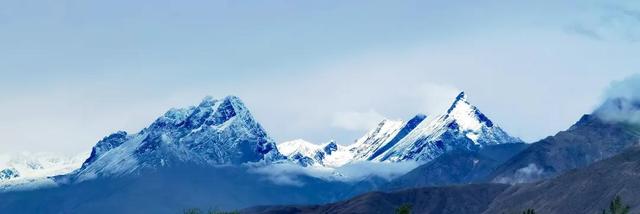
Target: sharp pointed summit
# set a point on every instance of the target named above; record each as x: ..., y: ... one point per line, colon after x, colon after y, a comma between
x: 461, y: 96
x: 461, y: 99
x: 421, y: 138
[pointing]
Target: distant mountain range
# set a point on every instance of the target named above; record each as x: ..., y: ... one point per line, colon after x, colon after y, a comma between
x: 221, y: 132
x: 579, y: 170
x: 217, y: 154
x: 24, y: 168
x: 422, y: 138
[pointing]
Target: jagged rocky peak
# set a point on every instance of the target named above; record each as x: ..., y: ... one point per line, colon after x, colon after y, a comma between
x: 300, y: 151
x: 304, y: 147
x: 462, y: 126
x: 305, y: 153
x: 213, y: 132
x: 466, y: 114
x: 107, y: 143
x: 9, y: 173
x: 469, y: 120
x: 365, y: 147
x: 330, y: 147
x: 209, y: 112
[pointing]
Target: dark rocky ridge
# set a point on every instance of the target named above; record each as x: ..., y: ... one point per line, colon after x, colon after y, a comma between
x: 587, y: 190
x: 458, y: 167
x: 591, y: 139
x: 473, y: 198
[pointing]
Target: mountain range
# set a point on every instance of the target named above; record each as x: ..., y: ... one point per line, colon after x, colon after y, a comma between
x: 217, y: 154
x: 422, y: 138
x: 579, y: 170
x: 24, y: 168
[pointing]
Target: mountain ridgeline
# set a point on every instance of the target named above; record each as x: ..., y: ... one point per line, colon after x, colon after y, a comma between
x: 579, y: 170
x: 422, y: 138
x: 216, y: 132
x: 215, y: 154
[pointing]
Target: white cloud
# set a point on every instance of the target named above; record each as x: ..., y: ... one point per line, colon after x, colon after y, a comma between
x: 388, y: 170
x: 356, y: 121
x: 523, y: 175
x: 622, y: 101
x: 434, y: 98
x: 290, y: 174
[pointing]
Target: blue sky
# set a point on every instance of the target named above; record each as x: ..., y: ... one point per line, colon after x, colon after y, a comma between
x: 75, y: 71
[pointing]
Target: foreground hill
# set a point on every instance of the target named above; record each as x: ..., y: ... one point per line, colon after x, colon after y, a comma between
x: 587, y: 190
x: 446, y: 200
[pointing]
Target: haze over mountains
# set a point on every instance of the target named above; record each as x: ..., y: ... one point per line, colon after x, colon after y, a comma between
x: 216, y: 152
x: 579, y: 170
x: 222, y: 133
x: 38, y: 165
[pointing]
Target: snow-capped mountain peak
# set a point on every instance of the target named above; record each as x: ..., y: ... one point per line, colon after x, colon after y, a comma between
x: 462, y: 97
x: 467, y: 116
x: 309, y: 154
x: 30, y: 166
x: 463, y: 126
x: 376, y: 140
x: 301, y: 146
x: 214, y: 132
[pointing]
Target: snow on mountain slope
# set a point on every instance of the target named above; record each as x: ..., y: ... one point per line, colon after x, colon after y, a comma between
x: 382, y: 139
x: 33, y: 170
x: 301, y: 146
x: 376, y: 139
x: 38, y: 165
x: 308, y: 154
x: 462, y: 127
x: 216, y: 132
x: 421, y: 138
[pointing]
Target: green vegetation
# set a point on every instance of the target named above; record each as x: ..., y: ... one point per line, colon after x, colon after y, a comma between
x: 404, y: 209
x: 529, y: 211
x: 617, y: 207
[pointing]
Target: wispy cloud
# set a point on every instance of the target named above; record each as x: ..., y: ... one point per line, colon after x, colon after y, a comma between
x: 292, y: 174
x: 580, y: 29
x: 610, y: 22
x: 622, y: 101
x: 356, y: 121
